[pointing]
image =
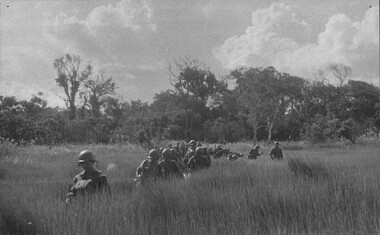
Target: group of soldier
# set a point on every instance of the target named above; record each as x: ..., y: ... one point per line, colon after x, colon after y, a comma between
x: 161, y: 163
x: 275, y: 153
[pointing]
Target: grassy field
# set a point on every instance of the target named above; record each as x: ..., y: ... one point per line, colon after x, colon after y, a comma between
x: 324, y: 189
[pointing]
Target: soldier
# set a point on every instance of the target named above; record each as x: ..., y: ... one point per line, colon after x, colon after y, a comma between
x: 149, y: 169
x: 178, y: 151
x: 254, y: 153
x: 276, y: 152
x: 169, y: 165
x: 206, y: 154
x: 198, y: 161
x: 190, y: 151
x: 178, y: 148
x: 89, y: 181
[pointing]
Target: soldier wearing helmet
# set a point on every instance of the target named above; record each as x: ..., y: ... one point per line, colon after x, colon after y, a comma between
x: 169, y: 165
x: 276, y: 152
x: 199, y: 160
x: 90, y: 180
x: 254, y: 153
x: 149, y: 169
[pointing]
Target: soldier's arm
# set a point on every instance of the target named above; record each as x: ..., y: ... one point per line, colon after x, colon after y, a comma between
x: 71, y: 192
x: 190, y: 163
x: 102, y: 184
x: 139, y: 170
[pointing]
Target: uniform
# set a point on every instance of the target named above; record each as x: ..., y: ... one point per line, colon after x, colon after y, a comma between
x: 171, y: 169
x: 198, y: 162
x: 253, y: 154
x: 88, y: 182
x: 149, y: 169
x: 190, y: 153
x: 276, y: 153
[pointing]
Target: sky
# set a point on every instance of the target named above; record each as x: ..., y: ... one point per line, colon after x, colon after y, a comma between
x: 135, y: 41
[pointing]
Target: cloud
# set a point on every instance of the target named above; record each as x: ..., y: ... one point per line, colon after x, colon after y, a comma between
x: 103, y: 29
x: 132, y: 14
x: 276, y: 37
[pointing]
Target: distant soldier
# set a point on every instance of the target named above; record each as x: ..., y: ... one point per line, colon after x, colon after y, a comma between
x: 149, y: 169
x: 232, y: 156
x: 169, y: 165
x: 254, y: 153
x: 190, y: 151
x: 198, y: 161
x: 178, y: 151
x: 89, y: 181
x: 276, y: 152
x: 206, y: 154
x: 222, y: 153
x: 178, y: 148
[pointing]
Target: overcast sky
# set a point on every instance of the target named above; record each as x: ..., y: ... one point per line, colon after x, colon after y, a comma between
x: 135, y: 40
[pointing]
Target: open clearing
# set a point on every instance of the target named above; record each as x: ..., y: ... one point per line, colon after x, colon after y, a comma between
x: 328, y: 190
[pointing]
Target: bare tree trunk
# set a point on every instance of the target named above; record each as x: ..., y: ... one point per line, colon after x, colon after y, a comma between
x: 270, y: 124
x: 73, y: 110
x: 270, y: 128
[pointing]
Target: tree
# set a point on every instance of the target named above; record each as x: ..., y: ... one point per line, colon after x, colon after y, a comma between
x: 195, y: 86
x: 321, y: 76
x: 98, y: 89
x: 260, y: 93
x: 340, y: 71
x: 70, y: 78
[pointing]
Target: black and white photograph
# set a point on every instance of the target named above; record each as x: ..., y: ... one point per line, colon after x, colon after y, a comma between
x: 189, y: 117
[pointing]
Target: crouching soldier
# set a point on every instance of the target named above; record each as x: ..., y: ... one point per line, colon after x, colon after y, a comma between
x: 169, y: 165
x: 89, y: 181
x: 198, y: 161
x: 276, y: 152
x: 254, y: 153
x: 149, y: 169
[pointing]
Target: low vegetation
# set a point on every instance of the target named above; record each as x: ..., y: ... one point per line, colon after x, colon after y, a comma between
x: 314, y: 190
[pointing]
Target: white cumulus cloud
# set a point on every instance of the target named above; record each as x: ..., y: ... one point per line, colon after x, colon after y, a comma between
x: 278, y: 38
x: 102, y: 28
x: 132, y: 14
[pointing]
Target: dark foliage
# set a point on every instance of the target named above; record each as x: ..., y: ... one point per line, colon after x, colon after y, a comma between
x: 264, y: 105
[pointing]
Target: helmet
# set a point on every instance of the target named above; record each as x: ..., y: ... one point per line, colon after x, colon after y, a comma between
x: 257, y: 146
x: 276, y: 143
x: 192, y: 142
x: 167, y: 153
x: 86, y: 155
x: 199, y: 151
x: 154, y: 153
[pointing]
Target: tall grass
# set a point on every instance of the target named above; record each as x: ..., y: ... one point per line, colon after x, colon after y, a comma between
x: 239, y: 197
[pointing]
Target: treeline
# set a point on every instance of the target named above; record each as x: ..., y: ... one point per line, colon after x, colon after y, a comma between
x: 264, y: 104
